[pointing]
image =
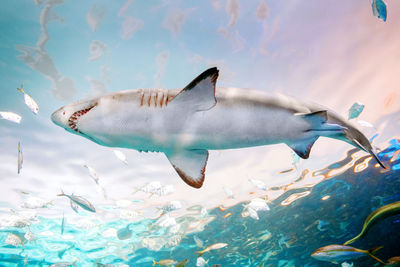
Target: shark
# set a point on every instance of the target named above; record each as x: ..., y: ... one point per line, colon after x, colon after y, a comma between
x: 185, y: 124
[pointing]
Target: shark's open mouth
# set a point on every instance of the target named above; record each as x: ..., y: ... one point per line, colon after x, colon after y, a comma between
x: 73, y: 119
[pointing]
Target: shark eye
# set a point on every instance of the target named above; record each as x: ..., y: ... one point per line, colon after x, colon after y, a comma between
x: 64, y: 113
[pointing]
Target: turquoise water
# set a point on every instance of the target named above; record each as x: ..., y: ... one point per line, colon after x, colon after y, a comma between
x: 332, y: 53
x: 283, y: 236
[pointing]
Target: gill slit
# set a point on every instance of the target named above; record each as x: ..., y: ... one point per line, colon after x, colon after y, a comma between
x: 154, y: 98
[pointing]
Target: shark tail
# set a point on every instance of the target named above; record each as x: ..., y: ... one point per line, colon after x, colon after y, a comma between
x: 324, y: 123
x: 154, y: 263
x: 358, y: 139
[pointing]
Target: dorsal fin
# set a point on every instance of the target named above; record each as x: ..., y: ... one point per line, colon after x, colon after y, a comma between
x: 199, y: 95
x: 316, y: 118
x: 319, y: 123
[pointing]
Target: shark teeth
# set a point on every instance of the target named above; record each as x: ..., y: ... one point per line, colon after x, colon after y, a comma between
x: 73, y: 119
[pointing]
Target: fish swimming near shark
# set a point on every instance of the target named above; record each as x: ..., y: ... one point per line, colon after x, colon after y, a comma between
x: 379, y: 9
x: 394, y: 261
x: 211, y: 247
x: 166, y: 262
x: 376, y: 216
x: 78, y: 200
x: 340, y: 253
x: 185, y: 124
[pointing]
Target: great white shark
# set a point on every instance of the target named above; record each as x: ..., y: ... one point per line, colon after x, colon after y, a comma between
x: 184, y: 124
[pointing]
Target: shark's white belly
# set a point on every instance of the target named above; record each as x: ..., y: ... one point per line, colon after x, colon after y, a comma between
x: 225, y: 126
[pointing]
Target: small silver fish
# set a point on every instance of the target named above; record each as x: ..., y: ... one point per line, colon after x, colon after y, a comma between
x: 211, y: 247
x: 32, y: 105
x: 13, y: 240
x: 82, y: 202
x: 121, y: 156
x: 259, y: 184
x: 92, y: 173
x: 124, y: 233
x: 29, y: 235
x: 201, y: 262
x: 365, y: 124
x: 11, y: 116
x: 20, y: 157
x: 164, y: 190
x: 339, y: 253
x: 198, y: 242
x: 258, y: 204
x: 62, y: 224
x: 166, y: 262
x: 171, y: 206
x: 151, y: 187
x: 253, y: 213
x: 345, y: 264
x: 63, y: 264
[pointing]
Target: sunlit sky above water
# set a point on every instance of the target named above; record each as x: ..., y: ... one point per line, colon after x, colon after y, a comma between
x: 328, y: 52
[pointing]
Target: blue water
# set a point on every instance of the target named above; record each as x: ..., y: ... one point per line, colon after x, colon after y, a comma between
x: 62, y: 51
x: 283, y: 236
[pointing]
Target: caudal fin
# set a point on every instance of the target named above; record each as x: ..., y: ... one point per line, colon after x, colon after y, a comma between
x: 21, y: 89
x: 356, y: 138
x: 331, y: 125
x: 351, y: 135
x: 377, y: 159
x: 61, y: 194
x: 200, y: 253
x: 372, y: 251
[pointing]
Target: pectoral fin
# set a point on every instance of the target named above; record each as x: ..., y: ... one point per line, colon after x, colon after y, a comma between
x: 200, y: 93
x: 303, y: 148
x: 190, y: 165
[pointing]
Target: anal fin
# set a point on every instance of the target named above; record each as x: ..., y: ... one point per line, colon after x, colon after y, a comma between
x: 302, y: 148
x: 190, y: 165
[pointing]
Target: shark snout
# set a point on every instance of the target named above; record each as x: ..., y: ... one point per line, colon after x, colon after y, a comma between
x: 68, y: 116
x: 58, y: 117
